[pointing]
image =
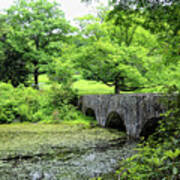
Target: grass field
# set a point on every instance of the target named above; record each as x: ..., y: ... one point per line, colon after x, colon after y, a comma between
x: 92, y: 87
x: 81, y: 86
x: 84, y: 87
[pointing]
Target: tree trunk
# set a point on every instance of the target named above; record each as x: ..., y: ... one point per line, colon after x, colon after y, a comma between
x: 117, y: 86
x: 36, y: 70
x: 36, y: 75
x: 117, y: 89
x: 119, y: 81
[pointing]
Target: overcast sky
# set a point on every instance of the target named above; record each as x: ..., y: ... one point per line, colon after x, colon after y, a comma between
x: 72, y: 8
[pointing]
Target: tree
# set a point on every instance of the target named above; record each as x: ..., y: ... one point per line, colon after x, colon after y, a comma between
x: 13, y: 67
x: 120, y: 66
x: 118, y: 56
x: 43, y: 27
x: 166, y: 24
x: 161, y: 18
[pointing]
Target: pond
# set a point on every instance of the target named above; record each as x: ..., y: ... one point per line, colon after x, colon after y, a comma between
x: 60, y: 152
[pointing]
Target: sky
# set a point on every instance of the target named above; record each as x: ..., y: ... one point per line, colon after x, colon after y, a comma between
x: 72, y: 8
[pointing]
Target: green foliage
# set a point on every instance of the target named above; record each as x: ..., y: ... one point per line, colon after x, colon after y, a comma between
x: 60, y: 103
x: 119, y: 52
x: 121, y: 66
x: 13, y: 69
x: 61, y: 69
x: 152, y: 163
x: 17, y: 104
x: 153, y: 25
x: 37, y: 30
x: 26, y: 104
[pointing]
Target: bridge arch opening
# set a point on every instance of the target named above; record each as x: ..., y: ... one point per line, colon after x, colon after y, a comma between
x: 91, y: 113
x: 115, y: 121
x: 150, y: 127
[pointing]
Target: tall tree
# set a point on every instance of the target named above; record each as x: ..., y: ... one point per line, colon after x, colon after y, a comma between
x: 117, y: 55
x: 113, y: 65
x: 44, y: 28
x: 127, y: 68
x: 161, y: 18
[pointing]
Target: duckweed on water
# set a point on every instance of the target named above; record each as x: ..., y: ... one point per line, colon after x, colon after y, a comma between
x: 62, y: 151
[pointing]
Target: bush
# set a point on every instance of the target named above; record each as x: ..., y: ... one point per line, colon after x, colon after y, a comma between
x: 60, y: 103
x: 27, y: 104
x: 17, y: 104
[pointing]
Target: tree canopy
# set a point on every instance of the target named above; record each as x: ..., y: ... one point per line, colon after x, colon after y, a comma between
x: 37, y: 31
x: 133, y: 46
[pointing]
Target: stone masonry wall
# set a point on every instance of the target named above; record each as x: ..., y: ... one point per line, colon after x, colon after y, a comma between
x: 134, y: 109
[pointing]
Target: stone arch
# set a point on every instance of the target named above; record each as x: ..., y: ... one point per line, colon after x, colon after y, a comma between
x: 90, y: 112
x: 115, y: 121
x: 150, y: 126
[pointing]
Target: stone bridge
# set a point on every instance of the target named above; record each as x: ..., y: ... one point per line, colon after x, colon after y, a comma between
x: 137, y: 114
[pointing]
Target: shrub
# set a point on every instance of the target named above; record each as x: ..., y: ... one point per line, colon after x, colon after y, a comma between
x: 59, y: 103
x: 27, y: 104
x: 17, y: 104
